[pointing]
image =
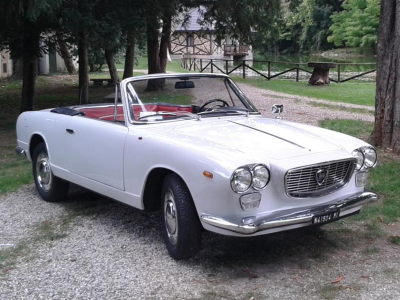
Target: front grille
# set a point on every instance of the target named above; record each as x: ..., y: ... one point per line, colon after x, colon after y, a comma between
x: 303, y: 182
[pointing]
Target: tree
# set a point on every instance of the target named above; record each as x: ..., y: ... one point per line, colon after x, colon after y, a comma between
x: 22, y: 29
x: 131, y: 14
x: 77, y: 21
x: 65, y: 53
x: 356, y: 25
x: 298, y: 26
x: 387, y: 100
x: 241, y: 18
x: 158, y: 22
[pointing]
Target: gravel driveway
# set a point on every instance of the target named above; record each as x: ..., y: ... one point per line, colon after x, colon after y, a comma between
x: 89, y: 247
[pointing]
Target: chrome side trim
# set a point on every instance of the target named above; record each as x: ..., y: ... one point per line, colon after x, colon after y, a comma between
x: 303, y: 216
x: 20, y: 151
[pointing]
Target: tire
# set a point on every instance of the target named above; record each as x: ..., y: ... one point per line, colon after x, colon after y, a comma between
x: 49, y: 187
x: 180, y: 221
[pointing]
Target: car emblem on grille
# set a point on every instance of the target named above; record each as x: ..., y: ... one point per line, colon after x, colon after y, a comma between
x: 321, y: 175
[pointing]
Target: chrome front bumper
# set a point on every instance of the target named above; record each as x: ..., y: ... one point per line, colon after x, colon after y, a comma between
x: 303, y: 217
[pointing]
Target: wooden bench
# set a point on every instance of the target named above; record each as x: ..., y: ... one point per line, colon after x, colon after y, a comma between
x: 98, y: 82
x: 320, y: 75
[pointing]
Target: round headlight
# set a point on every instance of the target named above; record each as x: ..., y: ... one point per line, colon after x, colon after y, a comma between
x: 370, y: 157
x: 360, y: 159
x: 241, y: 180
x: 260, y: 177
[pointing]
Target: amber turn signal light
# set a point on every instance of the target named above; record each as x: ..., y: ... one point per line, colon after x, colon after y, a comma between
x: 208, y: 174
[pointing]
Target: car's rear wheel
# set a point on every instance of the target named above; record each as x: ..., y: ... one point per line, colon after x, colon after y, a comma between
x: 50, y: 187
x: 181, y: 225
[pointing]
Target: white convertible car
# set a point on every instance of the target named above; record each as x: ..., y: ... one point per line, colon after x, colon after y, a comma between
x: 194, y: 147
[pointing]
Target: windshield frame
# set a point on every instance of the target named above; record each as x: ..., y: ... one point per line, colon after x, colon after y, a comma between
x: 128, y: 103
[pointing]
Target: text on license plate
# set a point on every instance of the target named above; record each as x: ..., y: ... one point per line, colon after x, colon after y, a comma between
x: 320, y: 219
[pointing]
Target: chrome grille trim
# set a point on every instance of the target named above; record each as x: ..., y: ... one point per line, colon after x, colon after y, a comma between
x: 302, y: 183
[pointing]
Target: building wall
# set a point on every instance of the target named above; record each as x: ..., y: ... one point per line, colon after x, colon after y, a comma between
x: 44, y: 64
x: 204, y: 46
x: 202, y: 43
x: 5, y: 64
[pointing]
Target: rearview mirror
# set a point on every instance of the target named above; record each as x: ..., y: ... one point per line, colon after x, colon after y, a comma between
x: 184, y: 84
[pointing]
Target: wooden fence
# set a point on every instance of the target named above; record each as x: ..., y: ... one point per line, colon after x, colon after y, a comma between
x: 225, y: 66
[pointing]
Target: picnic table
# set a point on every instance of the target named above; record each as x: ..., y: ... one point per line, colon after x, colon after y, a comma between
x: 320, y: 74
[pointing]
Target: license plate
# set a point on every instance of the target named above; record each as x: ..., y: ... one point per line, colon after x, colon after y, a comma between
x: 325, y: 218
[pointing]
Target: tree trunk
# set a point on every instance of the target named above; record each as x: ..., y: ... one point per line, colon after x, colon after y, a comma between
x: 18, y: 68
x: 83, y: 68
x: 66, y: 55
x: 165, y: 41
x: 28, y: 82
x: 111, y: 65
x: 129, y: 55
x: 387, y: 99
x: 320, y: 74
x: 153, y: 49
x: 153, y: 58
x: 319, y: 77
x: 29, y: 41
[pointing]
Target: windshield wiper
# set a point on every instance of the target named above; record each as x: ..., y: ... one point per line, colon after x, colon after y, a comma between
x: 240, y: 111
x: 180, y: 114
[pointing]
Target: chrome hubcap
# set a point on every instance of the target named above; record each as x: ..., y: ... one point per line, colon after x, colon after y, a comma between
x: 171, y: 217
x: 43, y: 172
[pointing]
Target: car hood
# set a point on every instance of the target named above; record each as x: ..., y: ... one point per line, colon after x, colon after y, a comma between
x: 259, y: 136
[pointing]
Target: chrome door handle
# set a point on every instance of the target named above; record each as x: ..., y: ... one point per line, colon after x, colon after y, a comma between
x: 71, y: 131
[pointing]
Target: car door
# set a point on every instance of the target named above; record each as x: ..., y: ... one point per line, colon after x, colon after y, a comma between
x: 95, y: 150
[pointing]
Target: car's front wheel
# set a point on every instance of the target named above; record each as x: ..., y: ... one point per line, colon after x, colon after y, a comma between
x: 181, y: 225
x: 50, y: 187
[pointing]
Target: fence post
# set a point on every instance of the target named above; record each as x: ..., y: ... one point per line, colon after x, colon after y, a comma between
x: 269, y: 70
x: 297, y: 73
x: 212, y: 69
x: 201, y: 65
x: 244, y: 70
x: 338, y: 74
x: 226, y: 67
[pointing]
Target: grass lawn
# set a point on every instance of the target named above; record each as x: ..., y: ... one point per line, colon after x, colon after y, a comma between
x: 350, y: 92
x: 359, y: 129
x: 14, y: 170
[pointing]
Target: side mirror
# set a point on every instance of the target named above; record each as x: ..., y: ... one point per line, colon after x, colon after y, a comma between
x: 277, y: 109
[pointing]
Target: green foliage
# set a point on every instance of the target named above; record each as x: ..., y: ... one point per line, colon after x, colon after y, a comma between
x: 240, y: 18
x: 301, y: 26
x: 23, y: 23
x: 356, y: 25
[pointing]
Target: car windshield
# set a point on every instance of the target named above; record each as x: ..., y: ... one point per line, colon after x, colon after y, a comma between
x: 172, y: 98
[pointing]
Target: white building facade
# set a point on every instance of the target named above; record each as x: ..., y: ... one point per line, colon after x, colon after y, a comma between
x: 5, y: 64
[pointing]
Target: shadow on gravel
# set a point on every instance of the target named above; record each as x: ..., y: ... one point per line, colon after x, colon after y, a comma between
x: 300, y: 248
x: 83, y: 203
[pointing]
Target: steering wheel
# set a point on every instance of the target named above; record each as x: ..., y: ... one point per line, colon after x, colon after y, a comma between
x: 224, y: 104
